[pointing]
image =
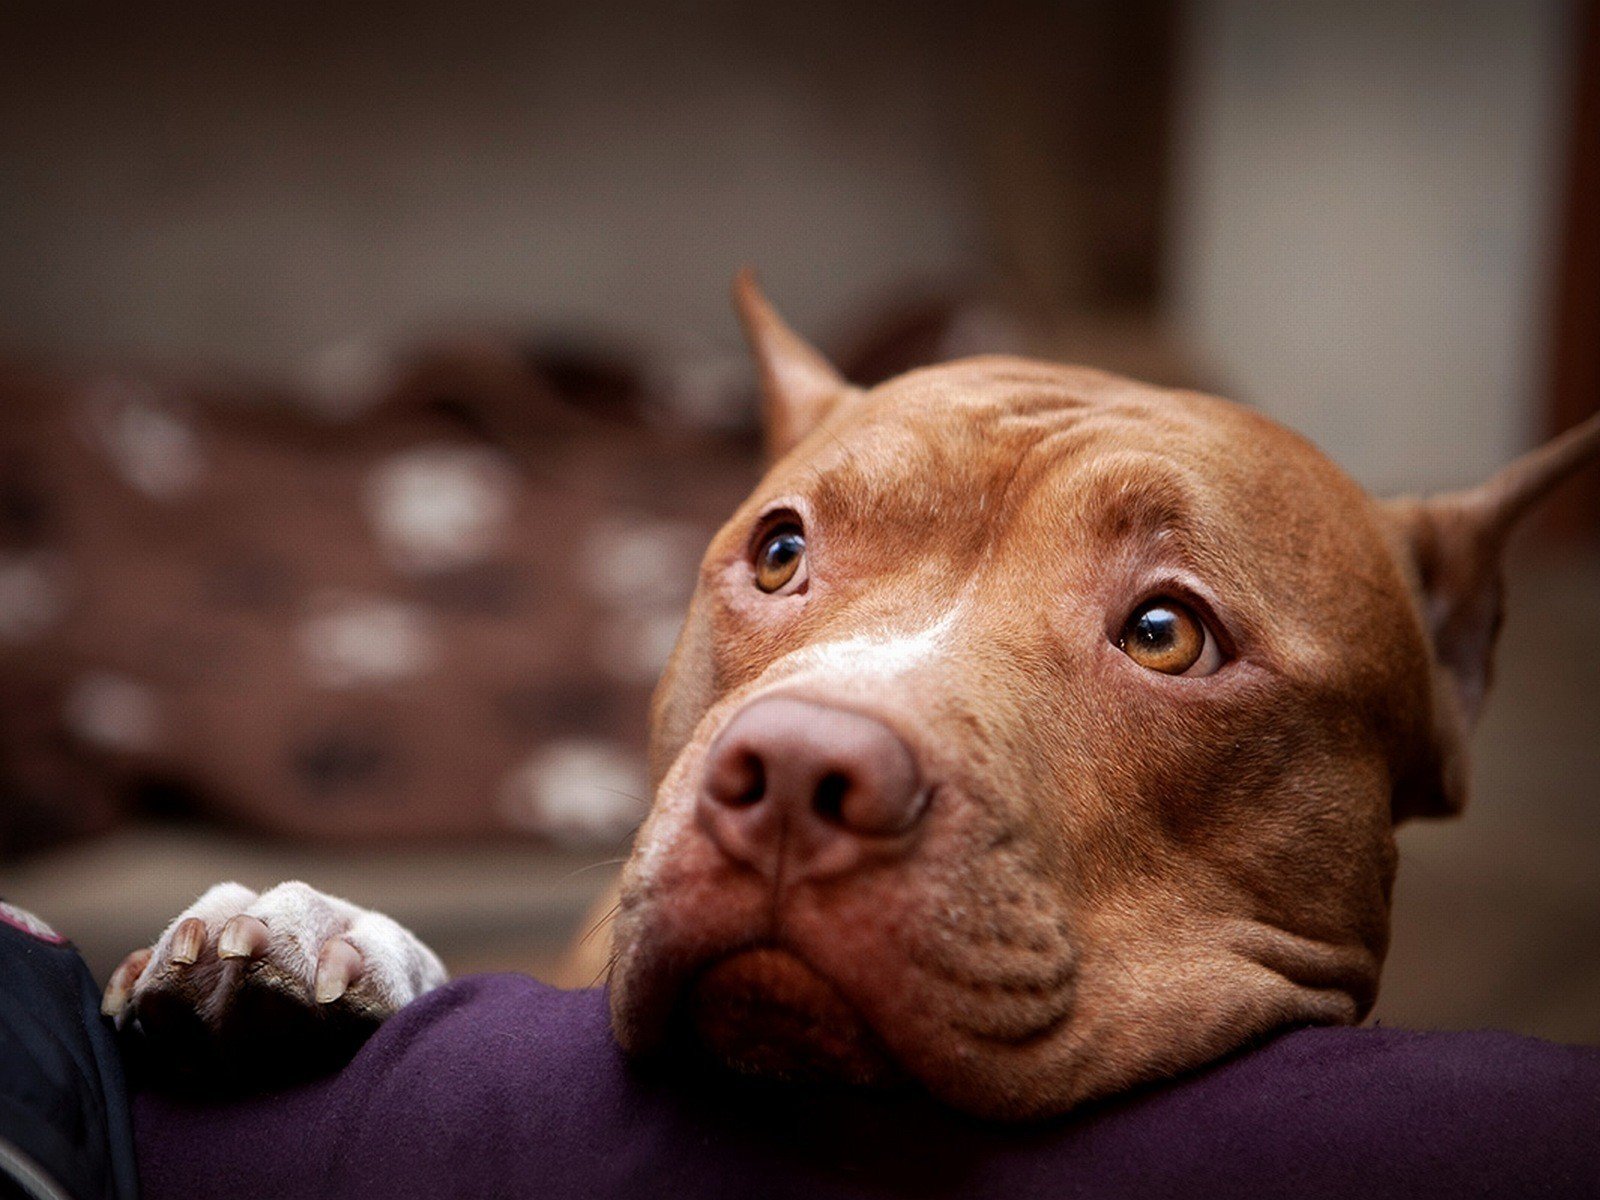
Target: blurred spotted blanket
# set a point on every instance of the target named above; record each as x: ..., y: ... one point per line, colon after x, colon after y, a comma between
x: 432, y: 605
x: 419, y: 596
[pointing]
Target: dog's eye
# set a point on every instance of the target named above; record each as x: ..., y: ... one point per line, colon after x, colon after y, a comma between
x: 1164, y: 635
x: 780, y: 559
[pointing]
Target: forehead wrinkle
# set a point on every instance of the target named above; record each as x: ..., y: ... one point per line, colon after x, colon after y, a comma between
x: 959, y: 463
x: 1126, y: 498
x: 1127, y: 501
x: 952, y: 447
x: 956, y: 483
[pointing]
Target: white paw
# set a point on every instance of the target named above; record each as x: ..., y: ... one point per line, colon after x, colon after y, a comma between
x: 254, y: 989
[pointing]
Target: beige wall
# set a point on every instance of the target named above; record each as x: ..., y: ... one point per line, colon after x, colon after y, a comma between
x: 1365, y: 220
x: 254, y: 188
x: 1361, y: 211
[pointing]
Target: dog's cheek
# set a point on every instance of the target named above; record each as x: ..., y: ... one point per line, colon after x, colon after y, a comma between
x: 716, y: 652
x: 728, y: 638
x: 1293, y: 827
x: 682, y: 695
x: 1273, y: 810
x: 1264, y: 801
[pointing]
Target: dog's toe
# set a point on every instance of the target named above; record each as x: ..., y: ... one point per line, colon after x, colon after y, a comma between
x: 248, y: 989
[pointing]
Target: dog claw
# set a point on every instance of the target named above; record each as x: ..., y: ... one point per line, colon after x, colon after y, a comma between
x: 338, y: 966
x: 114, y: 1000
x: 187, y: 942
x: 120, y: 985
x: 243, y: 937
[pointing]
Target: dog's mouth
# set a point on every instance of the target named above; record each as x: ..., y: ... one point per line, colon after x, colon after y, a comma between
x: 765, y: 1011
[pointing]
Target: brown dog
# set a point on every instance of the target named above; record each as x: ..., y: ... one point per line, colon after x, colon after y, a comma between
x: 1033, y: 733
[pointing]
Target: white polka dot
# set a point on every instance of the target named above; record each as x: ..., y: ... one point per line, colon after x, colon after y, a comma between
x: 440, y: 507
x: 702, y: 391
x: 346, y: 380
x: 636, y: 648
x: 31, y: 596
x: 638, y: 563
x: 113, y: 712
x: 575, y: 792
x: 155, y: 450
x: 351, y: 641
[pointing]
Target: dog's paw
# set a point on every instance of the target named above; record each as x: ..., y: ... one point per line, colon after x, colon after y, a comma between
x: 247, y: 990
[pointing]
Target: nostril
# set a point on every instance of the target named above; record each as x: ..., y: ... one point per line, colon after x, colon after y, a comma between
x: 739, y: 780
x: 755, y: 782
x: 827, y: 801
x: 834, y: 779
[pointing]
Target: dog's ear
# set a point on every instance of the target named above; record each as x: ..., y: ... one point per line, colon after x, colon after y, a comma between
x: 1456, y: 542
x: 799, y: 387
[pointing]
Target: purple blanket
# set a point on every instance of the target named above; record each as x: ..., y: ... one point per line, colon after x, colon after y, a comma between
x: 500, y: 1086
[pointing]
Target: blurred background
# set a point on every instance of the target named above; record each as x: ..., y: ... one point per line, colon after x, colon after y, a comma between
x: 368, y: 390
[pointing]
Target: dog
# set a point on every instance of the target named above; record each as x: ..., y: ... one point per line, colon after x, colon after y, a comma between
x: 1033, y: 734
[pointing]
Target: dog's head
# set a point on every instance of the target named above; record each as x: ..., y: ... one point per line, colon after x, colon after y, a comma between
x: 1034, y: 733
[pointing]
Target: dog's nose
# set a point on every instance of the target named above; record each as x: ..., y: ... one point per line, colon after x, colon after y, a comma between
x: 806, y: 789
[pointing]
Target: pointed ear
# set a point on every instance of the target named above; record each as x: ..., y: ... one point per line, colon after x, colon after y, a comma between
x: 1457, y: 543
x: 798, y: 386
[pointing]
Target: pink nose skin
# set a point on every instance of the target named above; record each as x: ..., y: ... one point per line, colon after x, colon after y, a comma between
x: 801, y: 790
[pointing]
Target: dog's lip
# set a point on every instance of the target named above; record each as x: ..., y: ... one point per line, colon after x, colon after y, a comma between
x: 765, y: 1008
x: 912, y: 1044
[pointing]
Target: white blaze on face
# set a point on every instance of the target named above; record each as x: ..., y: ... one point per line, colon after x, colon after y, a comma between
x: 113, y: 712
x: 31, y: 596
x: 364, y: 640
x: 870, y: 656
x: 154, y: 450
x: 579, y: 792
x: 440, y: 507
x: 866, y: 662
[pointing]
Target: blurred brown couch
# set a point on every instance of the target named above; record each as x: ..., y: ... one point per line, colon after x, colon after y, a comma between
x: 426, y: 597
x: 431, y: 605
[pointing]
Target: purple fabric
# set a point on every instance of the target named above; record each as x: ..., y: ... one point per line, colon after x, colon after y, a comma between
x: 500, y: 1086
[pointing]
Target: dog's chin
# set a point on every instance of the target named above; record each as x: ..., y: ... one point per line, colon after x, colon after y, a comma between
x: 766, y: 1012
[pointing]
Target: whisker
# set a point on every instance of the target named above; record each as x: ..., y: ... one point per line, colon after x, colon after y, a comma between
x: 605, y: 971
x: 594, y: 866
x: 600, y: 924
x: 626, y: 795
x: 634, y: 829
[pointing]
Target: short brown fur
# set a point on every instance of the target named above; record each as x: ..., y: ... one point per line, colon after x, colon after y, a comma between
x: 1125, y: 875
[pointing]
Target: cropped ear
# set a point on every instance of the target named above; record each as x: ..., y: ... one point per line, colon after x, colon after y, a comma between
x: 1457, y: 544
x: 799, y: 387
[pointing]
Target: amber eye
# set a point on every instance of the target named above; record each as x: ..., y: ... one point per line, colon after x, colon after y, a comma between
x: 779, y: 558
x: 1164, y: 635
